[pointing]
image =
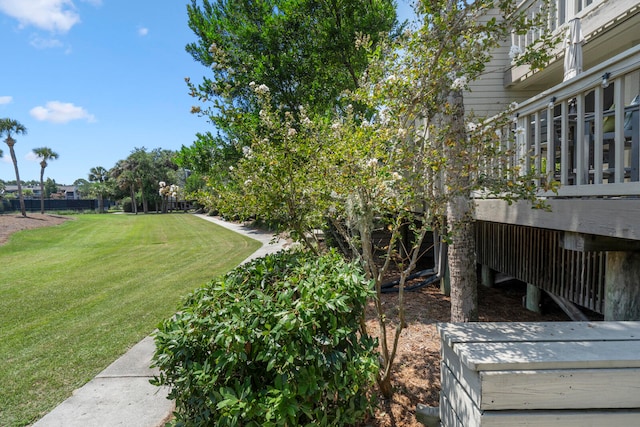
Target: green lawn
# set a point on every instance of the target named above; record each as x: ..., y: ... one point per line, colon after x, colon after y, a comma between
x: 75, y: 297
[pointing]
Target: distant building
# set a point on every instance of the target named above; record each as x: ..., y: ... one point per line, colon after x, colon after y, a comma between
x: 65, y: 192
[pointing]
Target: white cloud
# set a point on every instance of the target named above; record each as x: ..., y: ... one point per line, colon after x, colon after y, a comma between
x: 50, y: 15
x: 61, y: 112
x: 143, y: 31
x: 6, y: 100
x: 40, y: 43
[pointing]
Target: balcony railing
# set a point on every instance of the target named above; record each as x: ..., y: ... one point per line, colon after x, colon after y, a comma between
x: 560, y: 14
x: 584, y: 133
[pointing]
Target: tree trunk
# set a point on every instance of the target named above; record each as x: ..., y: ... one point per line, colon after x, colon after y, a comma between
x: 462, y: 256
x: 134, y: 204
x: 23, y: 210
x: 462, y: 261
x: 42, y: 190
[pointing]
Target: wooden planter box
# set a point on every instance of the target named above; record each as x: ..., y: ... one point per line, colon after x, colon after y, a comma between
x: 548, y: 374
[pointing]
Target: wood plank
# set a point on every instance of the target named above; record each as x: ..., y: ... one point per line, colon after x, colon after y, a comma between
x: 612, y: 418
x: 461, y: 403
x: 448, y: 417
x: 592, y: 243
x: 499, y: 356
x: 606, y: 217
x: 560, y: 389
x: 469, y: 379
x: 568, y: 307
x: 452, y: 333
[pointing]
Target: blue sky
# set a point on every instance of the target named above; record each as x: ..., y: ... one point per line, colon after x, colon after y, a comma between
x: 93, y: 79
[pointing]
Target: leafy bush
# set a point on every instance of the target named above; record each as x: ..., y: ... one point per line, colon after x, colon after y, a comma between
x: 273, y: 343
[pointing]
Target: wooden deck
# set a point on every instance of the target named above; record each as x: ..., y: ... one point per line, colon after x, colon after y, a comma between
x: 540, y: 374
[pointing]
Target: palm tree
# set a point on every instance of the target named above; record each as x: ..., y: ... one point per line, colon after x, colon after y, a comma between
x: 8, y: 126
x: 45, y: 153
x: 99, y: 176
x: 124, y: 174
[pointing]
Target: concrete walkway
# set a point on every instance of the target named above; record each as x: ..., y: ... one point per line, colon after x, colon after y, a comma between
x: 121, y: 394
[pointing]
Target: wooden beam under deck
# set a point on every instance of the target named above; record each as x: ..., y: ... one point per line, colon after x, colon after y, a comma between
x: 619, y: 218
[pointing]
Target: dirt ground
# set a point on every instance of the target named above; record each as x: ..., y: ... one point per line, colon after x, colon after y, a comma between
x: 417, y: 373
x: 10, y: 223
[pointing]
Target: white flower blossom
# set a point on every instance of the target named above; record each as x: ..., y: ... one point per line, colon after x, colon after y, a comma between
x: 334, y: 195
x: 482, y: 37
x: 248, y: 182
x: 231, y: 168
x: 292, y: 132
x: 395, y: 176
x: 372, y: 162
x: 515, y: 51
x: 162, y: 184
x: 247, y: 151
x: 513, y: 106
x: 262, y: 89
x: 519, y: 130
x: 384, y: 117
x: 335, y: 126
x: 459, y: 83
x: 402, y: 133
x: 472, y: 127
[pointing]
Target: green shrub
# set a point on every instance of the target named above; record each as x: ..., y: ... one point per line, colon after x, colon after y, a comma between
x: 273, y: 343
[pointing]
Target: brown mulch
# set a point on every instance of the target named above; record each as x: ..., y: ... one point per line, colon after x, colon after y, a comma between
x: 10, y: 223
x: 417, y: 371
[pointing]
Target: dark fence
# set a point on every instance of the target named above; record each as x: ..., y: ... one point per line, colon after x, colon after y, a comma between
x: 33, y: 205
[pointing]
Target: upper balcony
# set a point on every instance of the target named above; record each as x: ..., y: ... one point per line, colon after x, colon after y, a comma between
x: 608, y: 26
x: 584, y: 133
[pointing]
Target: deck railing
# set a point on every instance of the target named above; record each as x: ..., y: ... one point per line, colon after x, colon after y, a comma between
x: 555, y: 18
x: 584, y: 133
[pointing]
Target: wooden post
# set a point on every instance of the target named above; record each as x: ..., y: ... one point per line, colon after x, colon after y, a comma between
x: 533, y: 298
x: 487, y: 276
x: 622, y: 286
x: 445, y: 281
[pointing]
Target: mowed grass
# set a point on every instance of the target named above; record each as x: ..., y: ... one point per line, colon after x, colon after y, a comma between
x: 75, y: 297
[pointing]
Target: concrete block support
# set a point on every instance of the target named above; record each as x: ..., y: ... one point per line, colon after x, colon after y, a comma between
x: 487, y: 276
x: 533, y: 298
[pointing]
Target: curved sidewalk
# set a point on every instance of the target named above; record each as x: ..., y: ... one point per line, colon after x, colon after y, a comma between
x: 121, y: 394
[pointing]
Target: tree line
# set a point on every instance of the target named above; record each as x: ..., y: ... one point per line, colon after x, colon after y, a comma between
x: 134, y: 181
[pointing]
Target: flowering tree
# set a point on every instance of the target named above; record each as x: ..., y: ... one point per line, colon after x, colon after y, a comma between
x: 302, y: 50
x: 279, y: 178
x: 421, y: 80
x: 169, y: 195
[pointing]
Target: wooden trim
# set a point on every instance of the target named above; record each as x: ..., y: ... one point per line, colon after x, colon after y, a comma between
x: 604, y: 217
